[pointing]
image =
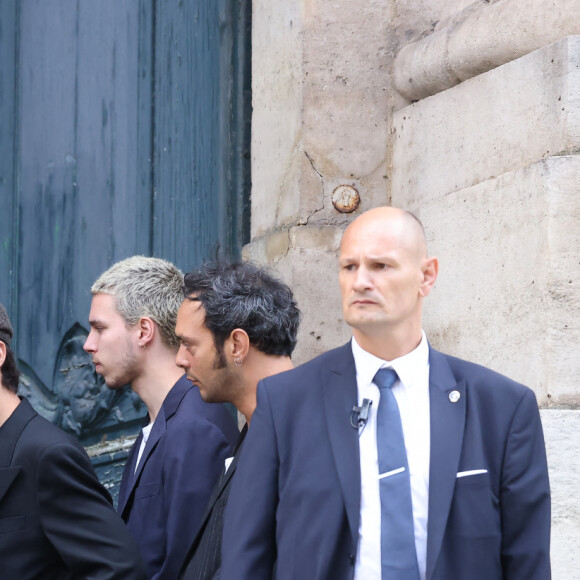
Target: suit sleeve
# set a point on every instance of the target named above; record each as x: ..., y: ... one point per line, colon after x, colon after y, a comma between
x: 79, y: 520
x: 249, y: 536
x: 191, y: 467
x: 525, y: 497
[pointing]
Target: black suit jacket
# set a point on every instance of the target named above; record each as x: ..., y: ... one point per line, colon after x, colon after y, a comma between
x: 295, y: 500
x: 203, y: 561
x: 56, y: 519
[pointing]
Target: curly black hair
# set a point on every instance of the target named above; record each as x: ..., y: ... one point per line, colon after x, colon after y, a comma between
x: 243, y: 295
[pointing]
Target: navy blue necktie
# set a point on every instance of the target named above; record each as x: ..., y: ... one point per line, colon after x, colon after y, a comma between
x: 398, y: 554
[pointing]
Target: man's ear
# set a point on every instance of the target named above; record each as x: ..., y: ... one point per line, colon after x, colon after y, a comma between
x: 2, y: 352
x: 146, y: 330
x: 430, y: 270
x: 237, y: 345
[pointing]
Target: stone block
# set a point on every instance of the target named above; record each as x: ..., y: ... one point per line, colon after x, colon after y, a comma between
x: 478, y: 39
x: 310, y: 268
x: 277, y: 107
x: 320, y: 238
x: 507, y: 118
x: 508, y: 292
x: 268, y: 249
x: 561, y: 428
x: 321, y: 109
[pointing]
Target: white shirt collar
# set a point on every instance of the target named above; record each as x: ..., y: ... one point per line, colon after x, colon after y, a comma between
x: 407, y: 366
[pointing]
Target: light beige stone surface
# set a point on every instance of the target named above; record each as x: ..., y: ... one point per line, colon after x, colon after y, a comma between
x: 321, y: 109
x: 561, y: 428
x: 480, y: 38
x: 310, y: 267
x: 416, y: 19
x: 490, y: 165
x: 277, y: 78
x: 346, y: 88
x: 499, y: 121
x: 508, y: 292
x: 507, y: 243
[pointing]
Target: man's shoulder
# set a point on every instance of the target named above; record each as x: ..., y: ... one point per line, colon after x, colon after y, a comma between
x: 39, y: 434
x: 192, y: 415
x: 305, y: 375
x: 193, y: 405
x: 478, y: 378
x: 52, y: 453
x: 334, y: 358
x: 184, y: 403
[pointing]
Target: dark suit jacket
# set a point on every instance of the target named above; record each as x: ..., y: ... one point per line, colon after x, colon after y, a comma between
x: 163, y: 501
x: 295, y: 500
x: 203, y: 561
x: 56, y: 519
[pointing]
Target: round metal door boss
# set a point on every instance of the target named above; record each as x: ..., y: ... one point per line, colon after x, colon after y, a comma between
x: 345, y: 199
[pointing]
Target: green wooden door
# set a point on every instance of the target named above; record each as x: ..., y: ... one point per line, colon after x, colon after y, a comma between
x: 124, y: 129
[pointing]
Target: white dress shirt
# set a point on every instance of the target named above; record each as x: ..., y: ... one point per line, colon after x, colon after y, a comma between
x: 146, y: 432
x: 412, y: 394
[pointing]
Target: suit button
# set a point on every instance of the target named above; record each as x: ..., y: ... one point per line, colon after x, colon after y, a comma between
x: 351, y: 559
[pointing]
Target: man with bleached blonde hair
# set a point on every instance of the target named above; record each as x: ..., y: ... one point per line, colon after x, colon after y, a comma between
x: 176, y: 459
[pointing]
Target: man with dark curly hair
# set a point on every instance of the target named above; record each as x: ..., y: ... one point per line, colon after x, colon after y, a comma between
x: 237, y: 325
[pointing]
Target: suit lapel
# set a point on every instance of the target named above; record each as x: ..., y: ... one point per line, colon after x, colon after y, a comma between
x: 159, y: 428
x: 340, y: 395
x: 7, y: 477
x: 168, y: 409
x: 157, y: 431
x: 12, y: 429
x: 225, y: 477
x: 447, y: 426
x: 219, y: 487
x: 128, y: 479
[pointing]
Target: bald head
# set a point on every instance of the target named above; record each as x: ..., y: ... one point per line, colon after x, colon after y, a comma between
x: 385, y: 273
x: 398, y: 224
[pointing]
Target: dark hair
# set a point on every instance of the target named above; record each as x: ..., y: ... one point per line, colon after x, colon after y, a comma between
x: 10, y: 372
x: 247, y: 297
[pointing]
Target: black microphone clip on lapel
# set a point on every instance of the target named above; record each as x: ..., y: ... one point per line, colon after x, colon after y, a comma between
x: 360, y: 415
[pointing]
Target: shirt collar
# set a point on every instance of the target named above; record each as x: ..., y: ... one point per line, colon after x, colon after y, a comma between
x: 407, y: 366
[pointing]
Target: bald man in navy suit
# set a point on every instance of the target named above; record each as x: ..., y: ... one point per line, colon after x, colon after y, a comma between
x: 472, y: 442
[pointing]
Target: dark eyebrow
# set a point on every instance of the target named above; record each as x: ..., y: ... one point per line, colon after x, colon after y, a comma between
x: 193, y: 298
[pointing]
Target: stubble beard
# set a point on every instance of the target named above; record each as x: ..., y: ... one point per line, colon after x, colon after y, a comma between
x: 127, y: 371
x: 222, y: 381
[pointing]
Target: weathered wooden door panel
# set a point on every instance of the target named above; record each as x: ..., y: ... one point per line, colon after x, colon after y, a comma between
x: 80, y: 203
x: 8, y: 102
x: 124, y: 129
x: 197, y: 119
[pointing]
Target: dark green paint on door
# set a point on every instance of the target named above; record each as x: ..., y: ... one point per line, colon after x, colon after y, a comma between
x: 124, y: 129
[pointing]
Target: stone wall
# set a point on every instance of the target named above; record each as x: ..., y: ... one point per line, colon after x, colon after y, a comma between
x: 495, y: 178
x: 487, y: 156
x: 322, y: 102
